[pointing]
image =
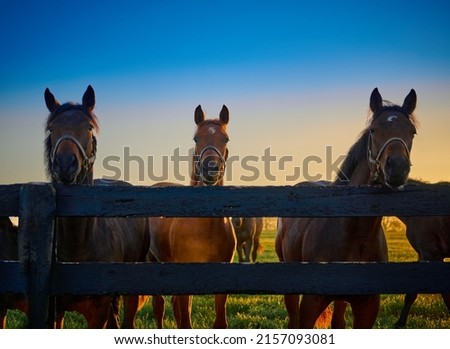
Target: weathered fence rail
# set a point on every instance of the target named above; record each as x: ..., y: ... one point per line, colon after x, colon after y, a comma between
x: 37, y: 206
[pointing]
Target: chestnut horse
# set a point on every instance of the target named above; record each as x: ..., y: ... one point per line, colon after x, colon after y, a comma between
x: 430, y: 238
x: 9, y: 252
x: 248, y: 231
x: 200, y: 240
x: 70, y: 150
x: 381, y: 156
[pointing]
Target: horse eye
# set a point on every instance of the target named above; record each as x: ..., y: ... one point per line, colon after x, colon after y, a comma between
x: 371, y: 130
x: 195, y: 139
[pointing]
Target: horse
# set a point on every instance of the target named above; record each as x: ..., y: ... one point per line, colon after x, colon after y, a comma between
x: 248, y: 231
x: 9, y: 251
x: 70, y: 151
x: 380, y: 156
x: 200, y: 240
x: 430, y: 238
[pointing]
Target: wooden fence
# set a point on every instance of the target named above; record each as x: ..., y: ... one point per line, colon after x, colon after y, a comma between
x: 38, y: 204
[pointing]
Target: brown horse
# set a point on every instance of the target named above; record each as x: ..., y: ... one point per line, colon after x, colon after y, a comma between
x: 203, y: 240
x: 430, y: 238
x: 70, y: 149
x: 248, y: 231
x: 380, y: 156
x: 9, y: 251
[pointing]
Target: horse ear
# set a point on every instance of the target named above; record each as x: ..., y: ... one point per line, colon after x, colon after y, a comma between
x: 50, y: 101
x: 199, y: 115
x: 409, y: 104
x: 89, y: 98
x: 376, y: 101
x: 224, y: 115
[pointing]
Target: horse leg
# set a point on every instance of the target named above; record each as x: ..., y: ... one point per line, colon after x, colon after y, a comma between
x: 291, y: 302
x: 255, y: 250
x: 176, y: 310
x: 338, y: 319
x: 365, y: 311
x: 239, y: 251
x: 158, y: 304
x: 113, y: 318
x: 311, y: 308
x: 183, y: 307
x: 409, y: 301
x: 96, y: 311
x: 3, y: 311
x: 58, y: 322
x: 131, y: 305
x: 446, y: 299
x: 220, y: 302
x: 248, y: 250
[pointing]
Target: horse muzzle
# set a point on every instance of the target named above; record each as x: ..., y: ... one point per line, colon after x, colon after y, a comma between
x: 66, y: 168
x: 396, y: 171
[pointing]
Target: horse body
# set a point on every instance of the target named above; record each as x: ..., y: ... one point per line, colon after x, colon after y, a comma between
x: 430, y: 238
x: 9, y: 252
x: 70, y: 155
x: 200, y: 240
x: 389, y: 135
x: 248, y: 231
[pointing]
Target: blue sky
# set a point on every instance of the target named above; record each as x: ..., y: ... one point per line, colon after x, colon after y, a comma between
x: 296, y: 75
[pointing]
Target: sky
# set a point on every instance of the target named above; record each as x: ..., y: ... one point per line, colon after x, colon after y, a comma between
x: 295, y: 75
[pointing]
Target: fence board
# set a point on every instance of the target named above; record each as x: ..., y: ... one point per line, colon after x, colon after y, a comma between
x: 12, y: 278
x: 285, y: 201
x: 260, y: 278
x: 37, y: 206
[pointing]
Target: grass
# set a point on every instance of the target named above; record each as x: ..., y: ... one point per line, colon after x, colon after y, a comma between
x: 267, y: 311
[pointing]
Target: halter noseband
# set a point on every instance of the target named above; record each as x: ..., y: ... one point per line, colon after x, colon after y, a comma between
x: 87, y: 161
x: 375, y: 175
x: 199, y: 161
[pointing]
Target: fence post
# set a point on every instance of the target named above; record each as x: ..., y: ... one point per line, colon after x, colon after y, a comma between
x: 36, y: 228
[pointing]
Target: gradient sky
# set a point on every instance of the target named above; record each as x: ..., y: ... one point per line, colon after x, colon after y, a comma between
x: 295, y: 75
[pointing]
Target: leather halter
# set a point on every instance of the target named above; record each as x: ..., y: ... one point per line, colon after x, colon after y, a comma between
x: 199, y: 160
x: 375, y: 175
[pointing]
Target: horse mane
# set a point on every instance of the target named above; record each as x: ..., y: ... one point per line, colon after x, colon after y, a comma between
x: 54, y: 115
x: 358, y: 150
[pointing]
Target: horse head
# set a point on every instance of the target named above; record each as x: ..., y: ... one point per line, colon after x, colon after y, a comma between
x: 211, y: 153
x: 390, y: 137
x: 70, y: 143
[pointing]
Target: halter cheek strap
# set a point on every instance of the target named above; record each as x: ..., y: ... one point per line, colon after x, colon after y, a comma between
x: 88, y: 161
x: 375, y: 175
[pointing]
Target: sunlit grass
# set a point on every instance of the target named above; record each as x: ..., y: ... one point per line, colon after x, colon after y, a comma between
x: 268, y: 311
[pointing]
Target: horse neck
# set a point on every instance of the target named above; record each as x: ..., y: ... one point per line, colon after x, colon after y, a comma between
x: 75, y: 233
x: 361, y: 174
x: 362, y: 229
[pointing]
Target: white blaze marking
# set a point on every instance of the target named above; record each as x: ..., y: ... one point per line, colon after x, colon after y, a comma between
x: 211, y: 130
x: 392, y: 118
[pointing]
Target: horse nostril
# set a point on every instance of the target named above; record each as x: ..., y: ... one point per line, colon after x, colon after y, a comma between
x: 396, y: 170
x: 389, y: 161
x: 66, y: 163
